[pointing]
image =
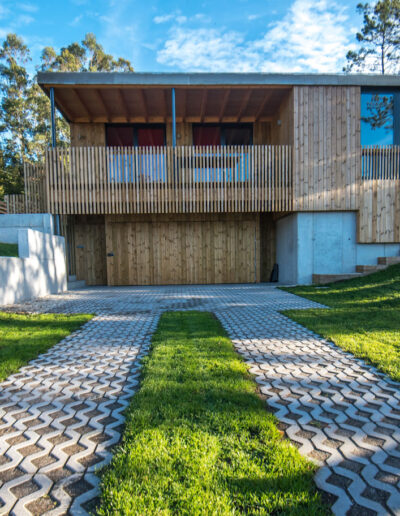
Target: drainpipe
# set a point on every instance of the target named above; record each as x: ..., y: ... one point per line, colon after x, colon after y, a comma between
x: 53, y: 118
x: 173, y: 119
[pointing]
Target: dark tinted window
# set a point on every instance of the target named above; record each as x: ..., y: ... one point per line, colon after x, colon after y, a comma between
x: 138, y: 135
x: 206, y: 135
x: 240, y: 135
x: 222, y: 134
x: 119, y: 136
x: 150, y: 136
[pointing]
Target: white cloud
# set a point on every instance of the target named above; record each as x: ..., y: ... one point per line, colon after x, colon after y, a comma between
x: 4, y: 11
x: 164, y: 18
x: 24, y: 19
x: 176, y: 17
x: 311, y: 37
x: 76, y: 20
x: 252, y: 17
x: 205, y: 49
x: 29, y: 8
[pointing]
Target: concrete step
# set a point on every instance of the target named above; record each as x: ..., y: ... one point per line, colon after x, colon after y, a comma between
x: 320, y: 279
x: 72, y: 278
x: 368, y: 269
x: 76, y: 285
x: 389, y: 260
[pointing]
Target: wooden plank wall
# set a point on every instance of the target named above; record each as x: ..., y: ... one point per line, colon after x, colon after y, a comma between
x: 184, y: 134
x: 379, y: 215
x: 182, y: 249
x: 90, y: 250
x: 84, y: 135
x: 326, y: 152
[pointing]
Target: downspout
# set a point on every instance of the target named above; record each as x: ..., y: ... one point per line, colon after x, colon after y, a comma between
x: 53, y: 118
x: 53, y: 144
x: 173, y: 118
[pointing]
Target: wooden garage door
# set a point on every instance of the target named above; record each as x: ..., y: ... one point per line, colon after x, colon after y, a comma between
x: 162, y: 250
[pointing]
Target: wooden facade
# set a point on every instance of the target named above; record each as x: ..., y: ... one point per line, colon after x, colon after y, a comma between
x: 174, y: 249
x: 206, y: 214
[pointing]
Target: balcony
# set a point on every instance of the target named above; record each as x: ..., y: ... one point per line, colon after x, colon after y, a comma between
x: 123, y: 180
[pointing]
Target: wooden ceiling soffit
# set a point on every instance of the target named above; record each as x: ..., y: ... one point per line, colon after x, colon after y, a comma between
x: 245, y: 103
x: 77, y: 94
x: 267, y: 98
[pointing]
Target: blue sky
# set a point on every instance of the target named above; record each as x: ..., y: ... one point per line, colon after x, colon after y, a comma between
x: 209, y: 35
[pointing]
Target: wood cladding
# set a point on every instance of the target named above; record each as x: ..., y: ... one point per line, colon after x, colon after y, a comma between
x: 90, y: 250
x: 83, y: 135
x: 379, y: 215
x: 184, y: 179
x: 326, y: 148
x: 190, y: 249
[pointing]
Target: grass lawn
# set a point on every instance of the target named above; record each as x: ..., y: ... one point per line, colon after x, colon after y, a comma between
x: 8, y: 249
x: 24, y: 337
x: 364, y: 317
x: 198, y: 439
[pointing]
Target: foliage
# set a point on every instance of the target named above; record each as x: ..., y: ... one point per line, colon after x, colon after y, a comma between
x: 23, y: 337
x: 25, y: 110
x: 364, y: 317
x: 379, y: 39
x: 8, y: 249
x: 198, y: 439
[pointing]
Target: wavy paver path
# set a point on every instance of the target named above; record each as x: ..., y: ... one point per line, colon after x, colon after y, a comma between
x: 62, y: 414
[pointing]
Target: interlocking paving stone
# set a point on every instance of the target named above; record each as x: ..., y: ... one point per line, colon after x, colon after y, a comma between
x: 61, y: 415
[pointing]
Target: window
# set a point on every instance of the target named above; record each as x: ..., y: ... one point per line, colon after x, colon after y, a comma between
x: 222, y: 134
x: 380, y: 117
x: 124, y: 167
x: 146, y: 135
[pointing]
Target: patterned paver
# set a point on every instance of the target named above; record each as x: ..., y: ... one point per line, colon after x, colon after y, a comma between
x: 62, y: 414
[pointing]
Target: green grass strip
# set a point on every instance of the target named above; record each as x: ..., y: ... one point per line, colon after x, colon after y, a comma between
x: 8, y: 250
x: 198, y: 439
x: 364, y: 317
x: 23, y: 337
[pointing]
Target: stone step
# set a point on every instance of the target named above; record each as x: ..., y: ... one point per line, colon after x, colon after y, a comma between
x: 320, y: 279
x: 72, y: 278
x: 368, y: 269
x: 388, y: 260
x: 76, y: 285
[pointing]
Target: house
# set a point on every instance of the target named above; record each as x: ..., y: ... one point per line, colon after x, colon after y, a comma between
x: 214, y: 178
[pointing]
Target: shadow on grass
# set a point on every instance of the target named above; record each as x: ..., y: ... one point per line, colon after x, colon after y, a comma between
x: 198, y: 439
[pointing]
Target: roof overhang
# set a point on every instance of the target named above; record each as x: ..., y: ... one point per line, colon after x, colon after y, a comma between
x: 200, y: 97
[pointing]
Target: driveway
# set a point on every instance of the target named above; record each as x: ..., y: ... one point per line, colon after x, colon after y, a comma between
x: 63, y: 413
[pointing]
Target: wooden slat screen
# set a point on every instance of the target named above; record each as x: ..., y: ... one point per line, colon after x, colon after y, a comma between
x: 15, y: 203
x: 118, y: 180
x: 3, y: 207
x: 381, y: 162
x: 35, y: 188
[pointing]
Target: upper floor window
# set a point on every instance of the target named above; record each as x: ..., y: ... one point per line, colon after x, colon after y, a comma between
x: 142, y: 135
x: 380, y: 117
x: 222, y: 134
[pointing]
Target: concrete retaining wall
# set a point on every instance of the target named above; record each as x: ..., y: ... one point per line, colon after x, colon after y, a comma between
x: 323, y: 243
x: 40, y: 268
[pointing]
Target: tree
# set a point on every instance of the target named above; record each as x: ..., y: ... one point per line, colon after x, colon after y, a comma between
x: 15, y: 120
x: 25, y: 110
x: 89, y: 56
x: 379, y: 39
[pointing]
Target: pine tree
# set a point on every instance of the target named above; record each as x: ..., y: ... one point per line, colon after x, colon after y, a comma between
x: 379, y: 39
